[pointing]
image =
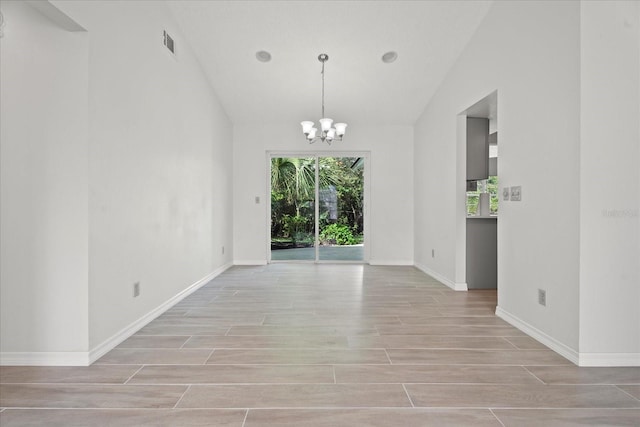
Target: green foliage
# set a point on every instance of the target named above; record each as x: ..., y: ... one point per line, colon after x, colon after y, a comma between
x: 292, y: 194
x: 338, y: 234
x: 486, y: 186
x: 293, y: 198
x: 295, y: 227
x: 348, y: 182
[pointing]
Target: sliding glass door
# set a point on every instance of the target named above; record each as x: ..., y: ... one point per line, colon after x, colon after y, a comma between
x: 317, y: 209
x: 293, y: 207
x: 341, y: 213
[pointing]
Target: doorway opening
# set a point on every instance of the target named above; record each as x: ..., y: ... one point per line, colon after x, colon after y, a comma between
x: 482, y: 183
x: 317, y: 209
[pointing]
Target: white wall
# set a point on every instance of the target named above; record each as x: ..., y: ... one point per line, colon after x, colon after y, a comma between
x: 529, y: 53
x: 43, y: 186
x: 568, y: 107
x: 148, y: 190
x: 610, y: 190
x: 159, y: 162
x: 390, y: 208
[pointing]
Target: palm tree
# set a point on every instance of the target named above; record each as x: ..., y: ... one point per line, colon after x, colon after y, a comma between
x: 293, y: 194
x: 294, y: 178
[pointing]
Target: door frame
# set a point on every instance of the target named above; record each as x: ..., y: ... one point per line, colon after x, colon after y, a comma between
x: 486, y: 107
x: 366, y: 155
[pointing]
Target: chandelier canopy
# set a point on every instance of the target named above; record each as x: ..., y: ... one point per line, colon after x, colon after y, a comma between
x: 329, y: 131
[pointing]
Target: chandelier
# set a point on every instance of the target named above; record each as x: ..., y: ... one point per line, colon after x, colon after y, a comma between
x: 328, y: 130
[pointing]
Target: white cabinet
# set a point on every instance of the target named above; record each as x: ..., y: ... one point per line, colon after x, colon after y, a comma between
x: 477, y: 149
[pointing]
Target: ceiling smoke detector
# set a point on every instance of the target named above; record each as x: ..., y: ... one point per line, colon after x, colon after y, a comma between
x: 263, y: 56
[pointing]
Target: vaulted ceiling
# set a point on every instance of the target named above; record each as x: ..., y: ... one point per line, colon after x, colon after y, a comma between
x: 428, y: 36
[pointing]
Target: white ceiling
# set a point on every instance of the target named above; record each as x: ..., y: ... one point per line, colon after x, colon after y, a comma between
x: 359, y: 87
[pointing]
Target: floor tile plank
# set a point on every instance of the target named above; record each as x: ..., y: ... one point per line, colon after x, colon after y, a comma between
x: 156, y: 356
x: 568, y: 417
x: 173, y: 330
x: 519, y: 396
x: 633, y: 390
x: 453, y: 320
x: 405, y: 417
x: 292, y: 396
x: 429, y: 341
x: 363, y: 374
x: 576, y: 375
x: 525, y: 343
x: 88, y: 396
x: 476, y: 357
x: 123, y: 417
x: 299, y: 356
x: 233, y: 374
x: 451, y: 330
x: 271, y: 330
x: 152, y: 341
x: 96, y: 374
x: 238, y: 341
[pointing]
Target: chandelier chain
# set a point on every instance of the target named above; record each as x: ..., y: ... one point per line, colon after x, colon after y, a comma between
x: 322, y: 72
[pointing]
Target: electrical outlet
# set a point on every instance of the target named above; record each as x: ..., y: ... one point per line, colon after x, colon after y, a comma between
x: 136, y: 289
x: 505, y: 193
x: 257, y: 199
x: 542, y: 297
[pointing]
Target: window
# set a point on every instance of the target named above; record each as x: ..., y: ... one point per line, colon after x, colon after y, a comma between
x: 484, y: 186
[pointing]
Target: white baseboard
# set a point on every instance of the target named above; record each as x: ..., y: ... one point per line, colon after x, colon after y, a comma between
x: 250, y: 262
x: 537, y: 334
x: 390, y: 262
x: 609, y: 359
x: 45, y: 358
x: 84, y: 358
x: 580, y: 359
x: 125, y: 333
x: 453, y: 285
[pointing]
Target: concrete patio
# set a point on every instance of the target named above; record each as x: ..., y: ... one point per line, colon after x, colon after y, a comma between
x: 326, y: 253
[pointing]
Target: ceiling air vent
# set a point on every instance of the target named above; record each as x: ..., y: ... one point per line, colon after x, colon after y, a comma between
x: 168, y: 42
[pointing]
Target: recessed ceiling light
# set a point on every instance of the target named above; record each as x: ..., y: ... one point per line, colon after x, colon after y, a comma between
x: 389, y: 57
x: 263, y: 56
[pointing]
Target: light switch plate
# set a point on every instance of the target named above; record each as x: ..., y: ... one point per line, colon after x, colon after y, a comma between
x: 516, y: 194
x: 505, y: 193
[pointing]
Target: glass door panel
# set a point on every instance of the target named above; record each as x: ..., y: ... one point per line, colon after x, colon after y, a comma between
x: 340, y: 208
x: 293, y: 221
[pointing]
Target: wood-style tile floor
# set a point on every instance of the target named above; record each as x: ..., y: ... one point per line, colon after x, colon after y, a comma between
x: 324, y: 345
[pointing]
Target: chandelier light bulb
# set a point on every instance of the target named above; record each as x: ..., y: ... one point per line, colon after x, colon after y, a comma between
x: 325, y: 124
x: 340, y: 128
x: 306, y: 127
